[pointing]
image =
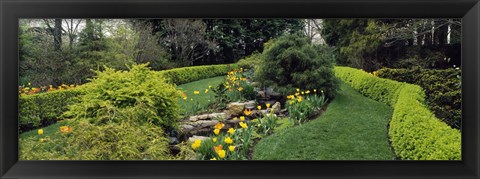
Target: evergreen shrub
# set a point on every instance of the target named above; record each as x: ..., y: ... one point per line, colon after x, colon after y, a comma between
x: 291, y: 62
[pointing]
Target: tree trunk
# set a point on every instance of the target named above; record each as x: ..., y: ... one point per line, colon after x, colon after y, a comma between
x: 57, y: 34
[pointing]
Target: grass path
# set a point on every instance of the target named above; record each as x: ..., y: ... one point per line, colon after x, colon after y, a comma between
x: 354, y: 127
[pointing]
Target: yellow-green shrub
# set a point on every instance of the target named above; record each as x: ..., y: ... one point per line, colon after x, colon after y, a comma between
x: 251, y: 61
x: 44, y: 107
x: 415, y: 133
x: 140, y: 94
x: 126, y: 140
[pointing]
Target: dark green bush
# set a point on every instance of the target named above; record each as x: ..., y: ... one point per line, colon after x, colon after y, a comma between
x: 442, y: 88
x: 44, y: 108
x: 291, y: 62
x: 415, y: 133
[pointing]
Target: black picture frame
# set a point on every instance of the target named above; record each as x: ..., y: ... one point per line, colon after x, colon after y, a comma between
x: 12, y: 10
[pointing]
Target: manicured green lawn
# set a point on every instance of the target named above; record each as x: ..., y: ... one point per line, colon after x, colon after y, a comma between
x: 202, y: 99
x: 353, y: 128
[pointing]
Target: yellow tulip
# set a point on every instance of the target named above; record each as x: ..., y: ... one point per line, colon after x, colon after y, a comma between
x: 243, y: 125
x: 213, y: 158
x: 231, y: 131
x: 214, y: 139
x: 40, y: 131
x: 299, y: 99
x: 228, y: 140
x: 221, y: 153
x: 196, y: 92
x: 231, y: 148
x: 196, y: 144
x: 268, y: 105
x: 219, y: 125
x: 216, y: 131
x: 259, y: 107
x: 206, y: 90
x: 242, y: 118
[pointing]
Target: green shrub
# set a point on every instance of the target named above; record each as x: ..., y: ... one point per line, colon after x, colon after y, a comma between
x: 139, y: 94
x: 251, y: 61
x: 184, y: 75
x: 38, y: 109
x: 415, y: 133
x: 442, y: 88
x: 379, y: 89
x: 126, y: 140
x: 291, y: 62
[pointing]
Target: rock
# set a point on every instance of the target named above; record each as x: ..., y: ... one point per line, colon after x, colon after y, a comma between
x: 172, y: 140
x: 232, y: 121
x: 276, y: 108
x: 204, y: 123
x: 193, y: 118
x: 235, y: 108
x: 261, y: 94
x: 238, y: 107
x: 272, y: 93
x: 195, y: 137
x: 221, y: 115
x: 186, y: 128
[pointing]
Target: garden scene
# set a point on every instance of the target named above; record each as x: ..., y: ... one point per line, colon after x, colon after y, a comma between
x: 239, y: 89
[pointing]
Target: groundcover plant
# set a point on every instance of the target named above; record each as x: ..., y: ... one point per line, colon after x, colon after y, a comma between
x: 239, y: 89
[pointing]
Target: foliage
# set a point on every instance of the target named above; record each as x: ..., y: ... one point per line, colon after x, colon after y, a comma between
x: 186, y: 40
x: 441, y: 87
x: 414, y: 131
x: 231, y: 145
x: 126, y: 140
x: 301, y: 107
x: 370, y: 44
x: 292, y: 63
x: 44, y: 108
x: 251, y: 61
x: 140, y: 94
x: 353, y: 128
x: 237, y: 86
x: 184, y: 75
x: 237, y: 38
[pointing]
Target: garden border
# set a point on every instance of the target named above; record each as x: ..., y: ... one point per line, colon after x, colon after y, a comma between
x: 414, y: 130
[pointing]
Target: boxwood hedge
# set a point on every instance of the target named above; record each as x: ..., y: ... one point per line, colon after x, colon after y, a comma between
x: 414, y: 131
x: 442, y: 89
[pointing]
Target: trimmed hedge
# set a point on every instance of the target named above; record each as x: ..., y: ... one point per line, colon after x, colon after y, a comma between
x: 415, y: 133
x: 188, y: 74
x: 45, y: 108
x: 442, y: 88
